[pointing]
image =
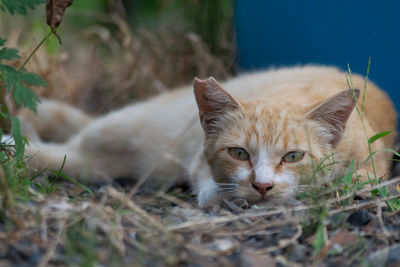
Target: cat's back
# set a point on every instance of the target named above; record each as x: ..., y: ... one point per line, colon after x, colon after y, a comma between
x: 307, y: 86
x: 301, y: 83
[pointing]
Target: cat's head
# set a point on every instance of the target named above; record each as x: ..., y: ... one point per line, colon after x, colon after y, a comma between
x: 260, y: 149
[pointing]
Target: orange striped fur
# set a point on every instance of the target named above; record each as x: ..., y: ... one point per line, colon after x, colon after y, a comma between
x: 269, y: 114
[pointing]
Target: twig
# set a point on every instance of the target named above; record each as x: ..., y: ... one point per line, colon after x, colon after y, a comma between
x: 380, y: 185
x: 362, y: 205
x: 380, y: 219
x: 282, y: 243
x: 231, y: 218
x: 34, y: 50
x: 226, y: 219
x: 177, y: 201
x: 130, y: 204
x: 50, y: 252
x: 260, y: 230
x: 359, y: 192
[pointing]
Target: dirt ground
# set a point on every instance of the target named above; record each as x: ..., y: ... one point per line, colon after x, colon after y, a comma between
x: 108, y: 228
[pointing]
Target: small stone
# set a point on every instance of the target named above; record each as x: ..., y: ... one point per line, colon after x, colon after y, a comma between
x: 251, y: 259
x: 222, y: 245
x: 359, y: 218
x: 297, y: 253
x: 389, y: 256
x: 394, y: 256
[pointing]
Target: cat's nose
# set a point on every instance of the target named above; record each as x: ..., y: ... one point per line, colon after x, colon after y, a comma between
x: 262, y: 188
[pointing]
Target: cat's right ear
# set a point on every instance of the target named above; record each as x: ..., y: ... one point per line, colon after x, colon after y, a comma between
x: 334, y: 113
x: 213, y: 101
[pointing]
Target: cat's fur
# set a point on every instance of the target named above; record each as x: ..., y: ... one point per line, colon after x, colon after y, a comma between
x: 268, y: 114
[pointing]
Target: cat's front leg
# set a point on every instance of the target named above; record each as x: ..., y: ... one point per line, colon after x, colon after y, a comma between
x: 202, y: 182
x: 207, y: 195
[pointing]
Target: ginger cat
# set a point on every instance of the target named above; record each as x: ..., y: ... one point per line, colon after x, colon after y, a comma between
x: 257, y: 136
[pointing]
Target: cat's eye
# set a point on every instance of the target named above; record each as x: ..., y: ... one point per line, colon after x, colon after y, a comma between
x: 293, y: 156
x: 239, y: 153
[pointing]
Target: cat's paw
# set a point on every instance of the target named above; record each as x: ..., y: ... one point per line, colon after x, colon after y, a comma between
x: 207, y: 195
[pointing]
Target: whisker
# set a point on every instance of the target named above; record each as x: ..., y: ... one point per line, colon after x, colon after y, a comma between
x: 231, y: 188
x: 227, y: 184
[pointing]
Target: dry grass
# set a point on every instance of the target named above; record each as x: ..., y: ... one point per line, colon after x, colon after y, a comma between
x: 110, y: 228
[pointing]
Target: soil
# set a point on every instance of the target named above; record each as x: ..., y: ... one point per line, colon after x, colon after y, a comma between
x: 72, y: 227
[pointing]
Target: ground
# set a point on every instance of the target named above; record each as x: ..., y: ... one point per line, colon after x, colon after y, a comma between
x: 71, y: 226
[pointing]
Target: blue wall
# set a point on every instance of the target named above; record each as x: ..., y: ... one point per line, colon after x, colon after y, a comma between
x: 334, y: 32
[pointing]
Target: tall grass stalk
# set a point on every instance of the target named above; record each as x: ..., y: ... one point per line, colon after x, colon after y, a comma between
x: 361, y: 112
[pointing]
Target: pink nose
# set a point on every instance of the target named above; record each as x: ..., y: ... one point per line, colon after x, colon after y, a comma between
x: 262, y: 188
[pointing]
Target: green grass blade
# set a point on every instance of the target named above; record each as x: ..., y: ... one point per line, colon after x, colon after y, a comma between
x: 378, y: 136
x: 19, y: 141
x: 319, y: 240
x: 349, y: 175
x: 72, y: 180
x: 391, y: 150
x: 365, y: 87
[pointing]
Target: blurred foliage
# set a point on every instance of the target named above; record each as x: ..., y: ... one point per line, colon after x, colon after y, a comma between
x: 19, y: 6
x: 91, y: 4
x: 210, y: 19
x: 116, y: 51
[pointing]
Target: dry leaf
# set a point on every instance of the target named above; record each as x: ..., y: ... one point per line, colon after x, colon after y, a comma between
x: 55, y: 12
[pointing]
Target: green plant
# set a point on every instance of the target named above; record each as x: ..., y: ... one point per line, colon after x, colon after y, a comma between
x: 343, y: 188
x: 15, y: 181
x: 393, y: 204
x: 59, y: 173
x: 19, y: 6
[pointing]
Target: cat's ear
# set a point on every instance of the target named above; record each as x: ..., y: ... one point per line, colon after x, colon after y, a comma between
x: 212, y: 100
x: 334, y: 113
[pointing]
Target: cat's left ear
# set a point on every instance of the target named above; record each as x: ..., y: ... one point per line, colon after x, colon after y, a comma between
x: 213, y: 101
x: 334, y: 113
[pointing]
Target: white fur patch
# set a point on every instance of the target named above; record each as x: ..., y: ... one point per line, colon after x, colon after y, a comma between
x: 241, y: 174
x: 207, y: 193
x: 263, y: 169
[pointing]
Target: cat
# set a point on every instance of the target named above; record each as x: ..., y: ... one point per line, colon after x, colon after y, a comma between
x: 254, y: 137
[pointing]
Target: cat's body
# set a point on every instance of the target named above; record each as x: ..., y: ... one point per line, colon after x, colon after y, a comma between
x: 277, y: 112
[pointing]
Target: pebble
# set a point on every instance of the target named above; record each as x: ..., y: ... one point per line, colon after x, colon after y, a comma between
x: 389, y: 256
x: 359, y: 218
x: 222, y: 245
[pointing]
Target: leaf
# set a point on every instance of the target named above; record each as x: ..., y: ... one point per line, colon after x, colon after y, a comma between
x: 382, y: 191
x: 19, y: 142
x: 398, y: 187
x: 19, y: 6
x: 393, y: 204
x: 378, y: 136
x: 391, y: 150
x: 15, y: 81
x: 72, y: 180
x: 349, y: 176
x: 319, y: 239
x: 8, y: 53
x: 360, y: 185
x: 54, y: 13
x: 2, y: 41
x: 23, y: 95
